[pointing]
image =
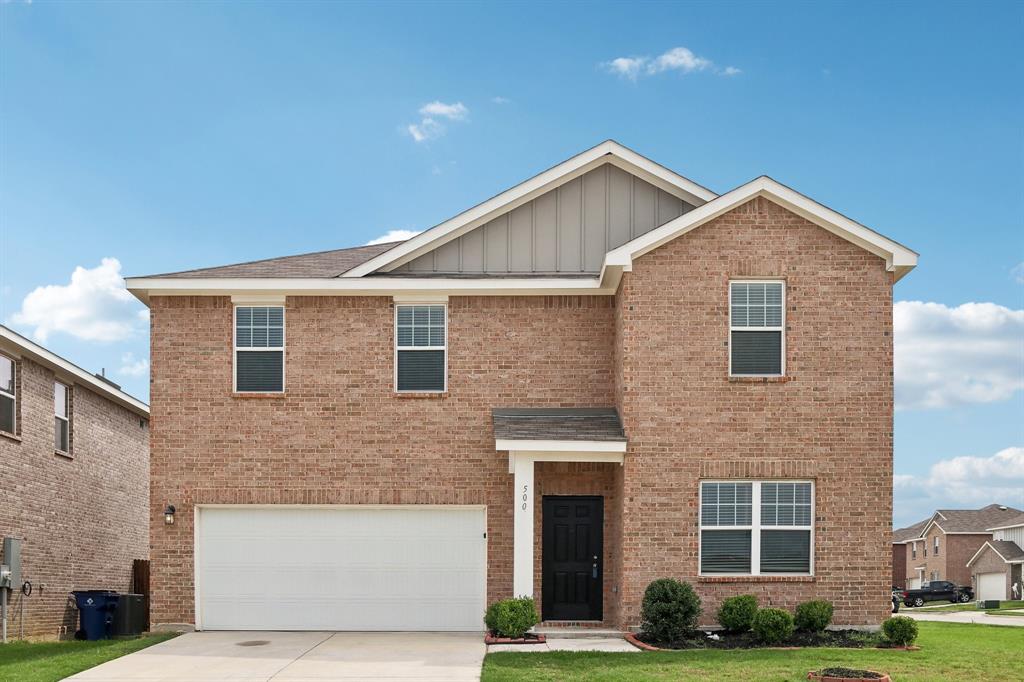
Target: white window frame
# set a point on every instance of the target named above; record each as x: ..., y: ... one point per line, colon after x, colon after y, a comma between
x: 935, y: 549
x: 781, y: 328
x: 913, y: 550
x: 234, y: 345
x: 67, y: 412
x: 13, y: 394
x: 755, y: 527
x: 444, y: 348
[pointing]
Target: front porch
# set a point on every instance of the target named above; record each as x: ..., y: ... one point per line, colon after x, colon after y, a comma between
x: 567, y: 469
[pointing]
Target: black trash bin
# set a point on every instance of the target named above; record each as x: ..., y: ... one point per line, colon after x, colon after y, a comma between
x: 95, y: 613
x: 129, y: 618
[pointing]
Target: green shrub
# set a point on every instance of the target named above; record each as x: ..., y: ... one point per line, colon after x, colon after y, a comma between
x: 669, y: 610
x: 772, y: 626
x: 900, y: 630
x: 737, y: 613
x: 813, y: 616
x: 511, y: 617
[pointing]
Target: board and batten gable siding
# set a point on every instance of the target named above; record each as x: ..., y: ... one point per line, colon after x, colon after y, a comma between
x: 566, y: 230
x: 1011, y: 534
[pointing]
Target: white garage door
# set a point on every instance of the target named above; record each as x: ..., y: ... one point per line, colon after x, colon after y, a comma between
x: 340, y: 568
x: 992, y: 586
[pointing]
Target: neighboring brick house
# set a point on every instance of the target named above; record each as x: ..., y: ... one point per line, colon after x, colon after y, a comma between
x: 74, y: 461
x: 901, y: 539
x: 943, y: 544
x: 604, y: 375
x: 996, y: 568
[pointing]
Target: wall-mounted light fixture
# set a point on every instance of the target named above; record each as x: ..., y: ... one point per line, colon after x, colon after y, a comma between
x: 169, y: 515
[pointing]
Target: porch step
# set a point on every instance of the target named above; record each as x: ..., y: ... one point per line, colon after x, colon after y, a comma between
x: 559, y: 632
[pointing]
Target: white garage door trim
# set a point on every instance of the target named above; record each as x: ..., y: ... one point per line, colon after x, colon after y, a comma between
x: 480, y: 562
x: 996, y: 587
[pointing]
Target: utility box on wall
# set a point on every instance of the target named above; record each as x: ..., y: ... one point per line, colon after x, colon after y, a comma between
x: 12, y: 559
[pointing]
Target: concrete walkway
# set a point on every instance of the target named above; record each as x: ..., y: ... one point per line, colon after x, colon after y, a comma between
x: 300, y: 657
x: 965, y: 617
x: 613, y: 644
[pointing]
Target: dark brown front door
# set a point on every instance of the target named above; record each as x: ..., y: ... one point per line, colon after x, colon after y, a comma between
x: 572, y: 571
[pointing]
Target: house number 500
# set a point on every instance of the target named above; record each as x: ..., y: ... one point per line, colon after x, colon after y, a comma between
x: 525, y: 496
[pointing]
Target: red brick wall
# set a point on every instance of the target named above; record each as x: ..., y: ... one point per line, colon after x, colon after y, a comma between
x: 830, y: 420
x: 341, y: 435
x: 82, y: 519
x: 656, y: 350
x: 899, y: 565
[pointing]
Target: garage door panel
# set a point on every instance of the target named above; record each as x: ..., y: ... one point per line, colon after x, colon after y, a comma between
x: 992, y: 586
x: 296, y: 568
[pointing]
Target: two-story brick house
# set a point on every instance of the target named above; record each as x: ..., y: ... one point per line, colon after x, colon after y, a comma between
x: 602, y: 376
x: 74, y: 467
x: 940, y: 547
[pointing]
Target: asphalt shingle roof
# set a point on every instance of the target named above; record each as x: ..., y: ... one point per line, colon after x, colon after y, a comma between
x: 975, y: 520
x: 1015, y: 521
x: 1008, y: 550
x: 600, y: 423
x: 910, y: 532
x: 323, y: 264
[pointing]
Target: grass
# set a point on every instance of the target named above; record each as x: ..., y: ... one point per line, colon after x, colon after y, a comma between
x: 950, y: 651
x: 51, y: 661
x: 967, y: 607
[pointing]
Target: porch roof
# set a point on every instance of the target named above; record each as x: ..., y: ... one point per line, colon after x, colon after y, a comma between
x: 558, y: 424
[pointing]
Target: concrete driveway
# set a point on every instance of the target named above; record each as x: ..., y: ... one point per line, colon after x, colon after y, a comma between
x: 299, y: 656
x: 965, y: 617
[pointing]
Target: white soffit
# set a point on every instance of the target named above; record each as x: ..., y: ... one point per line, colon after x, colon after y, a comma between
x: 606, y: 152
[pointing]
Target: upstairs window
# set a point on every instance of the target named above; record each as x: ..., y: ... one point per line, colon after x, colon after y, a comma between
x: 259, y: 349
x: 7, y: 397
x: 61, y: 418
x: 756, y: 323
x: 756, y: 528
x: 913, y: 550
x: 936, y: 548
x: 421, y: 348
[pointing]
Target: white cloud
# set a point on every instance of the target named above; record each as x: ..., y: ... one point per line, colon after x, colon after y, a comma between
x: 132, y: 367
x: 967, y: 482
x: 500, y: 100
x: 454, y: 112
x: 429, y: 127
x: 679, y: 59
x: 393, y: 236
x: 973, y: 353
x: 94, y: 306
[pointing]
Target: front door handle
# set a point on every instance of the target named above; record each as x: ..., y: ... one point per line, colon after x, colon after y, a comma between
x: 594, y: 571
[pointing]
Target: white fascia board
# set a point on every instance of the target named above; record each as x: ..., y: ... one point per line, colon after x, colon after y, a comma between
x: 428, y: 287
x: 38, y: 354
x: 929, y: 525
x: 1012, y: 525
x: 559, y: 445
x: 606, y: 152
x: 982, y: 549
x: 898, y: 258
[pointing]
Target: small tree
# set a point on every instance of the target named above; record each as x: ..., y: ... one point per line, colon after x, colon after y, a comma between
x: 669, y: 610
x: 737, y: 613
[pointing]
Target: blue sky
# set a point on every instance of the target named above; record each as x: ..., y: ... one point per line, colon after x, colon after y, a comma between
x: 178, y: 135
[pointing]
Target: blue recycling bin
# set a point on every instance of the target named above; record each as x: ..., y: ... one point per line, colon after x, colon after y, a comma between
x: 95, y: 613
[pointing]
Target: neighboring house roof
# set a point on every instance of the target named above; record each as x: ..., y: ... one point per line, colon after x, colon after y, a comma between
x: 312, y: 277
x: 321, y: 264
x: 11, y: 340
x: 902, y: 536
x: 1008, y: 551
x: 971, y: 521
x: 1015, y: 522
x: 553, y: 428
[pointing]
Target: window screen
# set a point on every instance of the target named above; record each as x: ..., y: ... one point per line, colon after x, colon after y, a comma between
x: 61, y: 417
x: 420, y: 345
x: 755, y: 328
x: 7, y: 398
x: 259, y: 349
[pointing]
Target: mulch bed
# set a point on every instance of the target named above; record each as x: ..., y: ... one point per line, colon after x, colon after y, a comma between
x: 846, y: 675
x: 845, y: 639
x: 528, y: 639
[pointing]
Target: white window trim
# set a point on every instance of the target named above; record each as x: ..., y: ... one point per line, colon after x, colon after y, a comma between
x: 13, y: 394
x: 66, y: 419
x: 935, y: 549
x: 781, y: 328
x: 755, y: 528
x: 444, y: 348
x: 234, y: 344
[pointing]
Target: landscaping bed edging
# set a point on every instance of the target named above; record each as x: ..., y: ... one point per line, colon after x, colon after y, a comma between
x: 533, y: 639
x: 818, y: 677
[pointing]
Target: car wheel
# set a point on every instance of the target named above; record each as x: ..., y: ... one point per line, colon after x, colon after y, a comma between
x: 964, y: 598
x: 919, y: 602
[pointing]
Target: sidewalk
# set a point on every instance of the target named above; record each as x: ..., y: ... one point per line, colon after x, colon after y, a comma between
x: 965, y: 617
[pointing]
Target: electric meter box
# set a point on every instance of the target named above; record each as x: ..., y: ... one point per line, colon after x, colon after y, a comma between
x: 12, y: 559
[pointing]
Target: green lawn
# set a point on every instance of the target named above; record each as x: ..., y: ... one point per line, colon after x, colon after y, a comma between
x: 966, y: 607
x: 949, y: 651
x: 51, y: 661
